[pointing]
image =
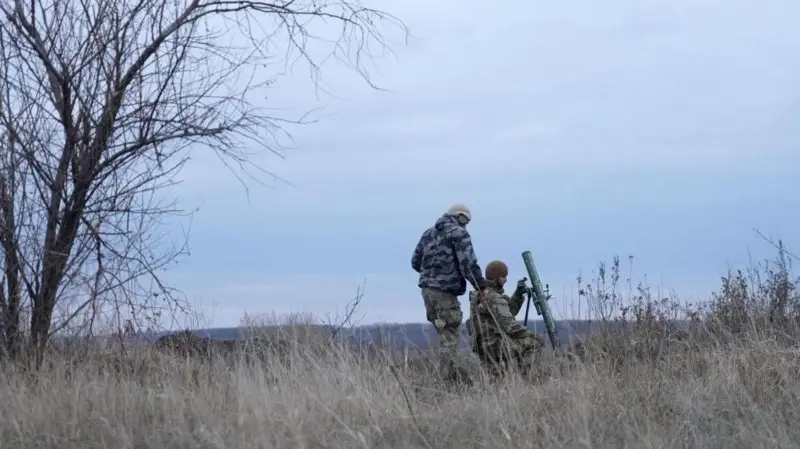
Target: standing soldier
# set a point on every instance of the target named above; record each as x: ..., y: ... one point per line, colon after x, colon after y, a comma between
x: 496, y: 336
x: 446, y: 261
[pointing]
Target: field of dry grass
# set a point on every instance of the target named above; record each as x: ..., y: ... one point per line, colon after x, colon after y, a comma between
x: 730, y: 380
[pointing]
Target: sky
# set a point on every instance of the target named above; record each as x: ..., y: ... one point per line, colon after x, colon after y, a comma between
x: 578, y: 130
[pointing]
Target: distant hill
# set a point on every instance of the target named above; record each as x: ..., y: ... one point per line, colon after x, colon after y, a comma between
x: 400, y: 336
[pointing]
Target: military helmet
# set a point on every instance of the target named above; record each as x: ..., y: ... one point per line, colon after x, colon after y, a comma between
x: 496, y: 270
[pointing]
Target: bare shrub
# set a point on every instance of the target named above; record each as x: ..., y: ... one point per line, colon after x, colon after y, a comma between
x: 760, y: 302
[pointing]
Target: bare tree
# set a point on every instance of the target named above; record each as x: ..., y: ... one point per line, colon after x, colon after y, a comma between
x: 101, y: 104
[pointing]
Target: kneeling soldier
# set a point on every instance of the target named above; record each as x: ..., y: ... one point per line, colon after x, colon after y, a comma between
x: 496, y: 336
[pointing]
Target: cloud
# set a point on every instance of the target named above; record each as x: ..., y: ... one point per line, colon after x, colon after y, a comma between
x: 578, y: 130
x: 630, y: 86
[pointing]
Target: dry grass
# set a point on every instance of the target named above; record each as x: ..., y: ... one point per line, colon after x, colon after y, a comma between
x: 729, y: 385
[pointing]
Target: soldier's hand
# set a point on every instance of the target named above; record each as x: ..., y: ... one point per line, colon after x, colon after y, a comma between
x: 521, y: 284
x: 533, y: 341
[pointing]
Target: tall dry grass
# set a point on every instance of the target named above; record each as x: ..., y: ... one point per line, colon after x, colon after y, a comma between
x: 728, y: 378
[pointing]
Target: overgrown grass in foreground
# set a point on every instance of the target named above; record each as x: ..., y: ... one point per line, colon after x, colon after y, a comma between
x: 730, y: 380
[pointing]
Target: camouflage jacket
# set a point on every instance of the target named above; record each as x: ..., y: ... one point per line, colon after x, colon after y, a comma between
x: 445, y: 259
x: 493, y: 317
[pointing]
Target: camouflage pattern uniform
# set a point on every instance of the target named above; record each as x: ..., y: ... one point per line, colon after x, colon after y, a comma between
x: 446, y: 261
x: 496, y: 335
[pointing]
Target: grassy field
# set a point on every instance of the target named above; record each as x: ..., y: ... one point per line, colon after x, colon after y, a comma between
x: 729, y: 380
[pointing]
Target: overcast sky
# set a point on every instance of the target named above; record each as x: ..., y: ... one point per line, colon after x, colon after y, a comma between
x: 666, y: 130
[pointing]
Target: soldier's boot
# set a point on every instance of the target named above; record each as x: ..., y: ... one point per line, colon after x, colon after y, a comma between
x: 453, y: 372
x: 457, y: 376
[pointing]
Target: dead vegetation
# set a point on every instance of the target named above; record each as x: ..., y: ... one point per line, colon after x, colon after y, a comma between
x: 644, y: 380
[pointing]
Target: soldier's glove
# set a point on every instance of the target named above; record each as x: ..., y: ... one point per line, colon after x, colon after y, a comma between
x: 534, y: 341
x: 521, y: 286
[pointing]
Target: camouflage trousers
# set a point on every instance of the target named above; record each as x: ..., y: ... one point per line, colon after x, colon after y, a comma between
x: 443, y: 310
x: 498, y: 356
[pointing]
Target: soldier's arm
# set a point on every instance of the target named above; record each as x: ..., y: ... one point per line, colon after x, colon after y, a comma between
x: 467, y: 261
x: 416, y: 258
x: 501, y: 313
x: 515, y: 301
